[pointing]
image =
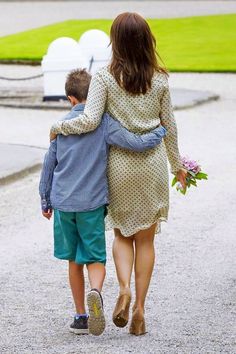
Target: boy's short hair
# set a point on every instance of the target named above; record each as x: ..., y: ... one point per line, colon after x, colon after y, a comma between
x: 77, y: 84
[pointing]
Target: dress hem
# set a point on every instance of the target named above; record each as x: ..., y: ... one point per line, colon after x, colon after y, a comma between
x: 140, y: 228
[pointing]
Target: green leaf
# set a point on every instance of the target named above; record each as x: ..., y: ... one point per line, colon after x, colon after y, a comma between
x: 174, y: 181
x: 193, y: 183
x: 201, y: 175
x: 192, y: 173
x: 199, y: 178
x: 205, y: 176
x: 183, y: 191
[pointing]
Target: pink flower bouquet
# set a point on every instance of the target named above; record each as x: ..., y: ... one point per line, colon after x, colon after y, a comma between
x: 194, y: 173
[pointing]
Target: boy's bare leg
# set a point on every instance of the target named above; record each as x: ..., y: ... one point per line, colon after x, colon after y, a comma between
x: 96, y: 274
x: 76, y: 277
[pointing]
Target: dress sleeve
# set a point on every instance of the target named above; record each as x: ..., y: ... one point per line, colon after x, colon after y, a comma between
x: 94, y: 109
x: 171, y: 139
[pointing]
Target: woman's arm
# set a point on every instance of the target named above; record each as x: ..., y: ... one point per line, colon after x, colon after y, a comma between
x: 94, y: 109
x: 171, y: 139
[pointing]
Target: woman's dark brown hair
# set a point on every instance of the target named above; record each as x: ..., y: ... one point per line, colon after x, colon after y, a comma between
x: 134, y: 58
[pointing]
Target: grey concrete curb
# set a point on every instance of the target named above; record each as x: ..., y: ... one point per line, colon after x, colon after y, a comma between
x: 20, y: 174
x: 18, y: 161
x: 197, y: 102
x: 63, y: 108
x: 181, y: 99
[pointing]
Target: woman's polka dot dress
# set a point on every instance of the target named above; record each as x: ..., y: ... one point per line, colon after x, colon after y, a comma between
x: 138, y: 182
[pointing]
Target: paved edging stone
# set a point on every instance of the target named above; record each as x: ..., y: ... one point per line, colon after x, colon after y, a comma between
x: 181, y: 99
x: 20, y: 174
x: 17, y: 161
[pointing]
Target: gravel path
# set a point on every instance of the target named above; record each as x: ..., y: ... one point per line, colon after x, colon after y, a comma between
x: 20, y: 16
x: 191, y: 303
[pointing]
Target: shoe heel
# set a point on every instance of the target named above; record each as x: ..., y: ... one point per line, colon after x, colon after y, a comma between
x: 125, y: 302
x: 121, y: 312
x: 137, y: 327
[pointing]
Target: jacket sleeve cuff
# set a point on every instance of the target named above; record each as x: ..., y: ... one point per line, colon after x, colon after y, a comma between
x: 56, y: 127
x: 46, y: 204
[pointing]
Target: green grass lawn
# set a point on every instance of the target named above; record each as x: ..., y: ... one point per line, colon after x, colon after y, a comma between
x: 204, y: 43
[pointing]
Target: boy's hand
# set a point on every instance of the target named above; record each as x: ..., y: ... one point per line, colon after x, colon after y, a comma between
x: 160, y: 131
x: 47, y: 214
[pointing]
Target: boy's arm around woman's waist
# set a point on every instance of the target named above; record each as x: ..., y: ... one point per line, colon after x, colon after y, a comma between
x: 116, y: 134
x: 45, y: 184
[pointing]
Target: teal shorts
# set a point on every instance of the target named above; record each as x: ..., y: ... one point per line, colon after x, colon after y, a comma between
x: 80, y: 236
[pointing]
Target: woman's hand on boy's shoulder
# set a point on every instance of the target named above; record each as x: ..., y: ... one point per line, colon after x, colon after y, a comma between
x: 52, y: 136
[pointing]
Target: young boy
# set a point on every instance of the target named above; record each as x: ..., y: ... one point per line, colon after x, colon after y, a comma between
x: 74, y: 183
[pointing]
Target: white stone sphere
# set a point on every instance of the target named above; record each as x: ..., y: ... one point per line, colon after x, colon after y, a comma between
x: 94, y: 43
x: 63, y: 47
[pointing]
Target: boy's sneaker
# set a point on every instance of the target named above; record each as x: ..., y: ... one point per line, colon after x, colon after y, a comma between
x: 96, y: 322
x: 80, y: 325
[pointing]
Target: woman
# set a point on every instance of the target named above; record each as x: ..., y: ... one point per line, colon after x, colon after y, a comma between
x: 133, y: 89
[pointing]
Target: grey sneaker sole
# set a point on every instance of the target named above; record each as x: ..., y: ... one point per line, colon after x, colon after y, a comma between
x: 96, y: 321
x: 79, y: 331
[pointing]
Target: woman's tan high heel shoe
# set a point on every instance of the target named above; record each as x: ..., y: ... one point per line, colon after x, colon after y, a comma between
x: 121, y: 312
x: 137, y: 326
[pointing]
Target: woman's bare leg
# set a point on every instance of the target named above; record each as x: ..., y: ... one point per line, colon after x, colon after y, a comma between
x: 123, y: 254
x: 144, y: 263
